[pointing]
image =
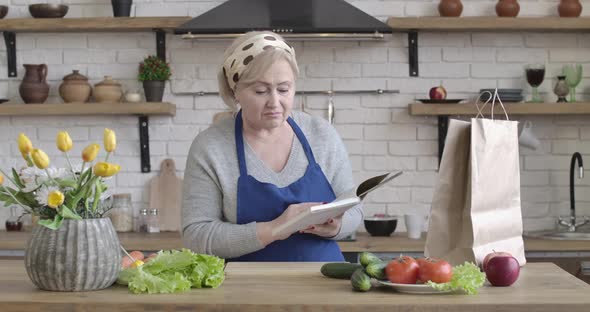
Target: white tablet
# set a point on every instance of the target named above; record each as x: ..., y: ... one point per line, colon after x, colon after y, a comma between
x: 316, y: 215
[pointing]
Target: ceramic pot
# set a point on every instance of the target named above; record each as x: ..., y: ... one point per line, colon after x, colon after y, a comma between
x: 132, y: 97
x: 450, y: 8
x: 121, y: 8
x: 81, y: 255
x: 34, y: 88
x: 75, y: 88
x: 154, y: 90
x: 507, y: 8
x: 569, y: 8
x: 108, y: 90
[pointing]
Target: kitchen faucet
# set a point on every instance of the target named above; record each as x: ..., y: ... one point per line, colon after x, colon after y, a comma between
x: 571, y: 224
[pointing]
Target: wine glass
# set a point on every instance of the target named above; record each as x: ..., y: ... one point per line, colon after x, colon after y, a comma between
x: 573, y: 76
x: 535, y: 74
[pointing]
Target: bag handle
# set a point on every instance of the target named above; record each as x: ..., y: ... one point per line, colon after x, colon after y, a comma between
x: 493, y: 99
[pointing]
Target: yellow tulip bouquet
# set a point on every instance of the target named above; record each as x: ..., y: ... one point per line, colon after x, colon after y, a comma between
x: 55, y: 194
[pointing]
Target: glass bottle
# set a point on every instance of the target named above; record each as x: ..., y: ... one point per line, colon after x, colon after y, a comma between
x: 143, y: 220
x: 13, y: 223
x: 121, y: 212
x: 153, y: 224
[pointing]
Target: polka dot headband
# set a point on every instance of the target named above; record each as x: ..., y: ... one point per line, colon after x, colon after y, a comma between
x: 235, y: 64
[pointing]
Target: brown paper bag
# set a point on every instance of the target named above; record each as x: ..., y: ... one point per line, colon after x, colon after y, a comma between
x: 476, y: 204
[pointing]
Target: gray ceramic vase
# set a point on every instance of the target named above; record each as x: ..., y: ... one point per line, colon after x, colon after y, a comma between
x: 154, y: 90
x: 79, y: 256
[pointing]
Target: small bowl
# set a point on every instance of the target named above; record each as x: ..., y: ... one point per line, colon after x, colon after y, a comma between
x: 381, y: 225
x: 3, y: 11
x: 48, y: 10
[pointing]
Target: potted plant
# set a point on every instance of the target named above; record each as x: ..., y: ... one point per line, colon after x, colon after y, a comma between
x: 73, y: 247
x: 154, y: 72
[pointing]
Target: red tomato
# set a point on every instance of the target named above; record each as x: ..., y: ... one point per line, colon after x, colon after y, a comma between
x: 436, y: 270
x: 403, y: 270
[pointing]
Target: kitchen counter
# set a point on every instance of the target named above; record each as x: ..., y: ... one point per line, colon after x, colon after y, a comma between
x: 364, y: 242
x: 542, y: 287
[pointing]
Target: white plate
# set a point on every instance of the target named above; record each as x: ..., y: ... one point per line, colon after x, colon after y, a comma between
x: 413, y: 288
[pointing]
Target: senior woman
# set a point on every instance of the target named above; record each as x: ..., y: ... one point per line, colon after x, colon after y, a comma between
x: 253, y: 171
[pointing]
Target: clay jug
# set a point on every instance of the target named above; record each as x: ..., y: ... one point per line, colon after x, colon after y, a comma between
x: 75, y: 88
x: 569, y: 8
x: 507, y: 8
x: 450, y: 8
x: 34, y: 88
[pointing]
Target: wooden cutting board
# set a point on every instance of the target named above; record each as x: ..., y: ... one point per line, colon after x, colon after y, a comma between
x: 166, y: 196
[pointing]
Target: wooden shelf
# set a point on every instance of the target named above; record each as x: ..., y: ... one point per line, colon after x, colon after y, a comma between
x: 419, y: 109
x: 493, y: 24
x: 149, y: 108
x: 93, y: 24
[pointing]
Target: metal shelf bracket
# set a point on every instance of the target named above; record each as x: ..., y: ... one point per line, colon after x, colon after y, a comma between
x: 161, y: 44
x: 144, y: 143
x: 10, y: 40
x: 413, y: 52
x: 144, y: 136
x: 443, y: 125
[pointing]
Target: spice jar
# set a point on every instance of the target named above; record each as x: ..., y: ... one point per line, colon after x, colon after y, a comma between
x: 143, y: 220
x: 153, y: 224
x: 121, y: 212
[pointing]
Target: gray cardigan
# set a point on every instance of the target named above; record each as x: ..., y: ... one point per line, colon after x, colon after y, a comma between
x: 209, y: 204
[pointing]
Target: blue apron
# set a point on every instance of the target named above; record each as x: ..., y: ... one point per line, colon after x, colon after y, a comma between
x: 262, y: 202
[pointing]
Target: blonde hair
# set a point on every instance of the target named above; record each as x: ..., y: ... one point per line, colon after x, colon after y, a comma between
x: 256, y: 68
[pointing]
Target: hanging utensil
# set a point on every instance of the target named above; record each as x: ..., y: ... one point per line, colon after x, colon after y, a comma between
x: 331, y: 109
x: 303, y: 102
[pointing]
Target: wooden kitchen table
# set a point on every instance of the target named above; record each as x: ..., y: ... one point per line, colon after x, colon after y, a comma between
x: 300, y: 287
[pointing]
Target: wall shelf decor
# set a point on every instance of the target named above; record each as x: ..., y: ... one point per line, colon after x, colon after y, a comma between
x: 159, y: 25
x: 412, y: 25
x: 443, y: 111
x: 143, y: 110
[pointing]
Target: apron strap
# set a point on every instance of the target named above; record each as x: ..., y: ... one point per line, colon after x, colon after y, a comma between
x: 240, y: 143
x: 302, y: 140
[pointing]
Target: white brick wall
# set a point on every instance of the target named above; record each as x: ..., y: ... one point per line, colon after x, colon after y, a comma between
x: 377, y: 130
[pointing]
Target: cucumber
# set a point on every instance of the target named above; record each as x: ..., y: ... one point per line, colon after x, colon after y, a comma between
x: 342, y: 270
x: 360, y: 281
x: 367, y: 257
x: 377, y: 270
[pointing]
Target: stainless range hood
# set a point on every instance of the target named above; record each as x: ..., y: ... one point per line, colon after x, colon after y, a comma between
x: 293, y: 19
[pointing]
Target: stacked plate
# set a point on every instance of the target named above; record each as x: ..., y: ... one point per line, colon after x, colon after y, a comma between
x: 506, y: 95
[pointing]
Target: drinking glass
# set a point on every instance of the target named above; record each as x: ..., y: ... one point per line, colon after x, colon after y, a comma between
x: 573, y: 76
x: 535, y: 74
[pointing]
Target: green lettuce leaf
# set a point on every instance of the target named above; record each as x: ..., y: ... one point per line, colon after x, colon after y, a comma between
x: 174, y: 271
x: 466, y: 277
x: 170, y: 282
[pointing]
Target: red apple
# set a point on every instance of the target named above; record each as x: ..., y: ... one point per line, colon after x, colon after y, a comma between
x: 502, y: 270
x: 491, y: 255
x: 438, y: 93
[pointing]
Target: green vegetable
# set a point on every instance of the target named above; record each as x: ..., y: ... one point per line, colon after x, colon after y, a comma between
x: 377, y: 270
x: 341, y: 270
x: 466, y: 277
x: 174, y: 271
x: 360, y: 280
x: 366, y: 258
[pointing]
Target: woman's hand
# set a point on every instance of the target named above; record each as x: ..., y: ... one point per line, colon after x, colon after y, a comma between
x: 264, y: 229
x: 329, y: 229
